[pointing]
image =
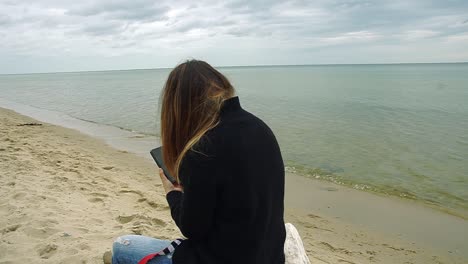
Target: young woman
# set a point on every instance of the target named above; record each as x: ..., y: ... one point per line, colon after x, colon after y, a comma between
x: 229, y: 204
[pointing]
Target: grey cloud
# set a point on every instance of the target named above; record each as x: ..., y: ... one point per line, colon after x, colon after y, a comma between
x: 385, y: 16
x: 140, y: 10
x: 210, y: 27
x: 246, y: 6
x: 107, y: 18
x: 5, y: 20
x: 101, y: 29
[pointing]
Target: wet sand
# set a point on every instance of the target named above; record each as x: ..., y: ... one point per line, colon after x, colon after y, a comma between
x: 390, y: 222
x: 65, y: 196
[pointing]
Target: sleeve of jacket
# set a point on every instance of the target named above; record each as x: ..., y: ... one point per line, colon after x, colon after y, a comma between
x: 193, y: 210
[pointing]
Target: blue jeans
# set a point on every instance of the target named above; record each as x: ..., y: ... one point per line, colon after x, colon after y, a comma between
x: 132, y: 248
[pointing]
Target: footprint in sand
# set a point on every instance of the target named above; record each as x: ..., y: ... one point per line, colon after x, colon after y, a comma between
x: 145, y: 224
x: 313, y: 216
x: 139, y: 228
x: 49, y: 198
x: 11, y: 228
x: 158, y: 222
x: 47, y: 251
x: 60, y: 179
x: 132, y: 191
x: 142, y: 220
x: 84, y: 246
x: 97, y: 221
x: 40, y: 232
x: 346, y: 261
x: 95, y: 200
x: 125, y: 219
x: 107, y: 179
x: 98, y: 197
x: 335, y: 249
x: 153, y: 204
x: 19, y: 195
x: 103, y: 195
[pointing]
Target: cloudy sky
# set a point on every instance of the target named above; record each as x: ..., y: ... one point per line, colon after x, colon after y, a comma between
x: 71, y: 35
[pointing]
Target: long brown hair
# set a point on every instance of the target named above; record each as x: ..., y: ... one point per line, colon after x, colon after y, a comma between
x: 191, y: 103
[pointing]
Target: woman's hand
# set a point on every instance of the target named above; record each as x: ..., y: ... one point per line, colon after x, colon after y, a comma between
x: 168, y: 186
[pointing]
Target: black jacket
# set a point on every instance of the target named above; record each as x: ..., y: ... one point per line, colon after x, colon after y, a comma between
x: 232, y: 207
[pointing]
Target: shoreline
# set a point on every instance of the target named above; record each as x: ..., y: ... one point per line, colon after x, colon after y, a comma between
x: 317, y: 222
x: 392, y: 216
x: 139, y: 143
x: 116, y: 137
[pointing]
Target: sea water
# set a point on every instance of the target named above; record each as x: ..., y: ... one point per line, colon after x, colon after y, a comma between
x: 395, y: 129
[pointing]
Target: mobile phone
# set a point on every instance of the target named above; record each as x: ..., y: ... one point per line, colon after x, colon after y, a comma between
x: 158, y: 157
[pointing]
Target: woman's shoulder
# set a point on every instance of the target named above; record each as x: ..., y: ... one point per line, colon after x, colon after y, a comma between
x: 239, y: 119
x: 240, y: 124
x: 239, y: 131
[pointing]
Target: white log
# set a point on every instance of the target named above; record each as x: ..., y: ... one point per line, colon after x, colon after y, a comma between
x: 293, y: 247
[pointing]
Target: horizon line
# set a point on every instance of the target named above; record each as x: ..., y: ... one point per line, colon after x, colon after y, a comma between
x: 242, y: 66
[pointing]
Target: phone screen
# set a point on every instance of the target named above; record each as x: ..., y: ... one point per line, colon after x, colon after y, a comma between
x: 157, y: 156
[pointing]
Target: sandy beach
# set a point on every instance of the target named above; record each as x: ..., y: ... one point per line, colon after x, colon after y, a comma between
x: 64, y: 197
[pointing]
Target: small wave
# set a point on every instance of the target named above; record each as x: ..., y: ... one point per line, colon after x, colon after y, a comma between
x: 119, y: 127
x: 321, y: 174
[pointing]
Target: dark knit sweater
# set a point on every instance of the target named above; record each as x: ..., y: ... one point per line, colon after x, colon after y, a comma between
x: 231, y: 210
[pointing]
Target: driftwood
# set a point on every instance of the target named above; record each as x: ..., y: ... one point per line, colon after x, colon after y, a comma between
x: 30, y: 124
x: 293, y: 247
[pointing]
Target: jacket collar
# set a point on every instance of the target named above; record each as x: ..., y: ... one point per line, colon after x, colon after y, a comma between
x: 231, y: 104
